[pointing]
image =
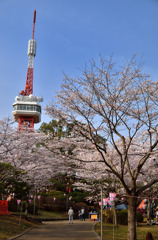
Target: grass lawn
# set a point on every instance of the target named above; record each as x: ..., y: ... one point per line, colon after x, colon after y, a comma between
x: 9, y: 226
x: 121, y: 232
x: 46, y: 214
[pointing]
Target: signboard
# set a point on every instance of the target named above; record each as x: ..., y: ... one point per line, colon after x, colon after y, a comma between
x: 4, y: 208
x: 94, y: 216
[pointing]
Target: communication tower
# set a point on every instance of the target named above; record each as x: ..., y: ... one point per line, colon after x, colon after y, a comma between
x: 26, y: 108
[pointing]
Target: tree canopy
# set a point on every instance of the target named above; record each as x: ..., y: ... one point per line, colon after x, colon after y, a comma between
x: 120, y: 104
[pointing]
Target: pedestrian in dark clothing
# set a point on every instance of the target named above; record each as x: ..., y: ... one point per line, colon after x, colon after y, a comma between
x: 149, y: 236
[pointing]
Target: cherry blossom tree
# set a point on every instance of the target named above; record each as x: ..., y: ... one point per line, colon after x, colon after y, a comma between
x: 119, y: 104
x: 26, y: 151
x: 9, y: 179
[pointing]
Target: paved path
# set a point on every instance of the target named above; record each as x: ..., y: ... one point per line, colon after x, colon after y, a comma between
x: 58, y: 230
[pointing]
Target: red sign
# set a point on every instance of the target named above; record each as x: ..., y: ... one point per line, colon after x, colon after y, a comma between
x: 4, y: 208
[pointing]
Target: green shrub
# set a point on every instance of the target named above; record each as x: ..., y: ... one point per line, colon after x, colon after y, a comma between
x: 78, y: 197
x: 56, y: 205
x: 78, y: 207
x: 61, y: 206
x: 49, y: 200
x: 57, y: 194
x: 12, y: 205
x: 48, y: 207
x: 24, y: 205
x: 140, y: 217
x: 122, y: 216
x: 109, y: 215
x: 31, y: 208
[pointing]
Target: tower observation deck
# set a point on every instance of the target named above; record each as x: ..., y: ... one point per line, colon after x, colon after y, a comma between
x: 26, y: 108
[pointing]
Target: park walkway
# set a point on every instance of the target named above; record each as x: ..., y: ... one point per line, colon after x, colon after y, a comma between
x: 57, y: 230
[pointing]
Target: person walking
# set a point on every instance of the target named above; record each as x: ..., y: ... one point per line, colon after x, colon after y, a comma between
x: 71, y: 213
x: 156, y: 215
x: 83, y: 213
x: 149, y: 236
x: 79, y: 215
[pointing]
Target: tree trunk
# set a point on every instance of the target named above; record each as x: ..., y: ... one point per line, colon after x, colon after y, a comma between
x: 148, y: 209
x: 132, y: 218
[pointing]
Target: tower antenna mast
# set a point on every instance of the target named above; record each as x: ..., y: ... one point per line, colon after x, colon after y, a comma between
x: 34, y: 20
x: 31, y: 54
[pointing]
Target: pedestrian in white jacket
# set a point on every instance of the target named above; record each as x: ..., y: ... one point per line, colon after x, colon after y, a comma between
x: 70, y: 213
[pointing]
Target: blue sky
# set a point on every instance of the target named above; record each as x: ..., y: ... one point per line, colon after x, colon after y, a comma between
x: 69, y: 33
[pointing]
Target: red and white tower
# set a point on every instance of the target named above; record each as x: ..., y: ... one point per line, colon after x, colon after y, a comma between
x: 26, y: 109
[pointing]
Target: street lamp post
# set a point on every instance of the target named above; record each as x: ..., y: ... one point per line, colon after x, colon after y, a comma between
x: 112, y: 197
x: 101, y: 218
